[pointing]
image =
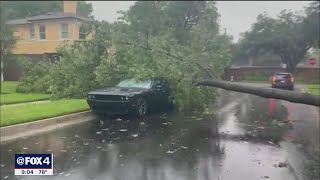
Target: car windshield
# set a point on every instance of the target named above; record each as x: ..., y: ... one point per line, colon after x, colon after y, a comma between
x: 132, y: 83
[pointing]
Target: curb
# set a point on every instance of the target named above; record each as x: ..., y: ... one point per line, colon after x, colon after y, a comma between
x: 31, y: 128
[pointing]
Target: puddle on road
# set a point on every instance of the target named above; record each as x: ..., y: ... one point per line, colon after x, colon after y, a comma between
x: 170, y: 147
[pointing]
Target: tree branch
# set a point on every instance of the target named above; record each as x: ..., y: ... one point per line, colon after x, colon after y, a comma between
x: 296, y: 97
x: 170, y: 55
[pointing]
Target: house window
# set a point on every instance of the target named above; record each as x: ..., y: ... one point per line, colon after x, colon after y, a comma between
x: 64, y: 31
x: 32, y: 33
x: 42, y: 32
x: 82, y: 34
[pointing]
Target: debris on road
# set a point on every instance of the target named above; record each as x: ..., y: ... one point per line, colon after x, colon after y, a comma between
x: 123, y: 130
x: 270, y: 142
x: 171, y: 152
x: 99, y: 132
x: 163, y: 116
x: 265, y: 177
x: 281, y: 165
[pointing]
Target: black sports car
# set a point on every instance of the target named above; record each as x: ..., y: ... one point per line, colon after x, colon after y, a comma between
x: 130, y: 97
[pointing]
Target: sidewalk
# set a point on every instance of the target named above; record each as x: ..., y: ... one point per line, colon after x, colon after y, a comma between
x: 23, y: 103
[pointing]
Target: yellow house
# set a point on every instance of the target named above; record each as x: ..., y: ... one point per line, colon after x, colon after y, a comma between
x: 42, y: 34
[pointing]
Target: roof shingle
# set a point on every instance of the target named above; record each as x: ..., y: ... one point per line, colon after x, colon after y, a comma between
x: 55, y: 15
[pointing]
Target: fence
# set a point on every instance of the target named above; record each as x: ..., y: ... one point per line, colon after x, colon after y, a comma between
x: 305, y: 74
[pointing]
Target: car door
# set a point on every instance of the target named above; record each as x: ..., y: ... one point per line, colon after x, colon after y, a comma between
x: 163, y: 92
x: 160, y: 93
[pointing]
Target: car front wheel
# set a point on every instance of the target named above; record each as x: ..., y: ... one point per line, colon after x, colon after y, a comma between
x: 142, y: 107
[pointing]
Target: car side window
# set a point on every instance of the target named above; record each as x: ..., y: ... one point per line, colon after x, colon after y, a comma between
x: 166, y: 85
x: 158, y: 84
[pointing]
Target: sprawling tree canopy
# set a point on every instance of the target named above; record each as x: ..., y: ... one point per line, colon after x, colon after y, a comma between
x: 290, y: 35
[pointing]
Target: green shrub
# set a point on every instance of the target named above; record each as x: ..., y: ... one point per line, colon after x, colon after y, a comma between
x: 35, y: 77
x: 256, y: 77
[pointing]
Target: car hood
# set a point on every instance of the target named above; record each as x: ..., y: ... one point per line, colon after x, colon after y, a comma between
x: 119, y: 91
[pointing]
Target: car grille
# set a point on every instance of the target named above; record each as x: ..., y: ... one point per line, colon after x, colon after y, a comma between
x: 109, y: 97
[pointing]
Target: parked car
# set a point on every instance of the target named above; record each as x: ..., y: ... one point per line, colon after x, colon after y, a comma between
x: 282, y: 80
x: 130, y: 96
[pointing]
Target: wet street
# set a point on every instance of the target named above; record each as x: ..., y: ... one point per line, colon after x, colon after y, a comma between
x: 248, y: 138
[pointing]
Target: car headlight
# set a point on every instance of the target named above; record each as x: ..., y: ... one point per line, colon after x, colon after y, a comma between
x: 125, y: 98
x: 91, y: 96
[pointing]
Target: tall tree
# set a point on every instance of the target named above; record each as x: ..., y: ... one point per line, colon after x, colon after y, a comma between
x: 7, y: 39
x: 289, y: 36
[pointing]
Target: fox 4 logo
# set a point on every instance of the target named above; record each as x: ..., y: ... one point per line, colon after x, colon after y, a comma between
x: 33, y: 161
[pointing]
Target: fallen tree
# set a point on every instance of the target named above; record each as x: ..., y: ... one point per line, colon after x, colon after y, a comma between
x: 296, y: 97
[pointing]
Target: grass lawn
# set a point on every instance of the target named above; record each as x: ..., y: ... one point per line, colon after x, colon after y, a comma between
x: 8, y: 87
x: 19, y: 98
x: 314, y: 89
x: 30, y: 112
x: 9, y: 95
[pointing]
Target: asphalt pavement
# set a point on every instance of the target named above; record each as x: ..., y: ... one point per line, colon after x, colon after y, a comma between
x: 248, y: 138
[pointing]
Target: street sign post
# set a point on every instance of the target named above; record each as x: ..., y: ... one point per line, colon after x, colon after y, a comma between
x: 312, y: 61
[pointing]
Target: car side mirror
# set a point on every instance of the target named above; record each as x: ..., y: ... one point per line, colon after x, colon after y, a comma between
x: 158, y: 88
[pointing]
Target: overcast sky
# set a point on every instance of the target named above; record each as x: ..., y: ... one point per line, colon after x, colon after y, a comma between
x: 236, y: 16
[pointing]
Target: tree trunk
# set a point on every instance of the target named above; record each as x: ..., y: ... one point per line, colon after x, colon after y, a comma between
x: 291, y: 66
x: 2, y: 78
x: 147, y: 39
x: 296, y: 97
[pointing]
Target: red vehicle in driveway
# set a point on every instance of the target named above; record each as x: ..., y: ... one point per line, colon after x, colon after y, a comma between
x: 282, y: 80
